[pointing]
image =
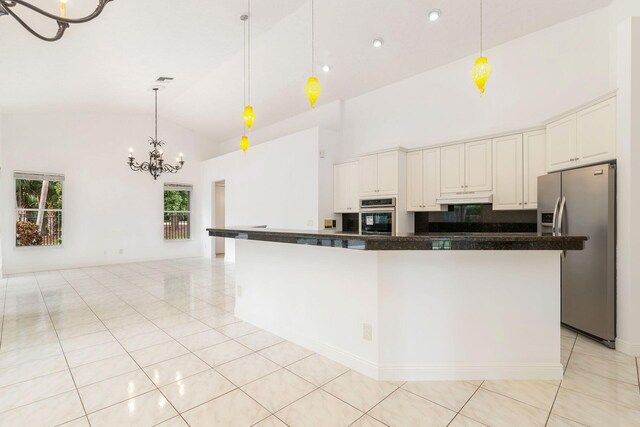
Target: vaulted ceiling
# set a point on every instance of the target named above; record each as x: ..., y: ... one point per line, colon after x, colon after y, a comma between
x: 109, y: 64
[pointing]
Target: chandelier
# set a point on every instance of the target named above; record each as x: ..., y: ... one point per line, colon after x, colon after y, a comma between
x: 156, y: 165
x: 7, y: 8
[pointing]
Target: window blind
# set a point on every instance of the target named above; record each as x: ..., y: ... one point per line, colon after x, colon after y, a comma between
x: 178, y: 187
x: 38, y: 176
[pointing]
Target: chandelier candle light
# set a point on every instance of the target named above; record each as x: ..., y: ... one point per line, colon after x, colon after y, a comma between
x: 312, y: 88
x: 481, y: 71
x: 7, y: 7
x: 156, y: 165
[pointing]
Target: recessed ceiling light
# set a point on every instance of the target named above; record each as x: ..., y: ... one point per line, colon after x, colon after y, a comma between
x: 326, y: 68
x: 378, y: 42
x: 434, y: 14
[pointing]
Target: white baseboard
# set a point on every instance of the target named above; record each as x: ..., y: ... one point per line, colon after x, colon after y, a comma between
x: 482, y: 371
x: 435, y: 372
x: 628, y: 347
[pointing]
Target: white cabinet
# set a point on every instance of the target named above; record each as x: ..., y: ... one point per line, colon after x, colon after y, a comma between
x: 452, y: 169
x: 596, y: 133
x: 561, y: 143
x: 582, y: 138
x: 466, y: 168
x: 345, y: 187
x: 518, y: 160
x: 423, y: 180
x: 507, y: 173
x: 534, y: 150
x: 378, y: 174
x: 477, y: 160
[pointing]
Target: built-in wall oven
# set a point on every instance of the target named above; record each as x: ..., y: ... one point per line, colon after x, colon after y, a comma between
x: 378, y: 216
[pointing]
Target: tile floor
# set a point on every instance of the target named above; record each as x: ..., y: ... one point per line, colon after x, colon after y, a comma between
x: 157, y: 344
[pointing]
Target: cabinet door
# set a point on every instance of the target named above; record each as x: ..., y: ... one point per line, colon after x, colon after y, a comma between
x: 534, y: 148
x: 478, y: 169
x: 351, y: 194
x: 414, y: 181
x: 368, y: 175
x: 596, y: 133
x: 339, y: 188
x: 431, y: 179
x: 452, y: 169
x: 507, y: 173
x: 561, y: 143
x: 388, y: 173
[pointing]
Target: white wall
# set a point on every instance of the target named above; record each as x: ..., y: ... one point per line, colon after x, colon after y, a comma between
x: 534, y: 78
x: 628, y: 150
x: 107, y: 207
x: 273, y: 184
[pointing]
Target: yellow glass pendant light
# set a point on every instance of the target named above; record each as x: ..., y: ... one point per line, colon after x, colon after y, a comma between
x: 249, y: 116
x: 244, y: 143
x: 312, y: 88
x: 481, y: 70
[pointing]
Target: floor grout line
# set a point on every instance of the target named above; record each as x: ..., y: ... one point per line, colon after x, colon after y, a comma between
x: 61, y: 348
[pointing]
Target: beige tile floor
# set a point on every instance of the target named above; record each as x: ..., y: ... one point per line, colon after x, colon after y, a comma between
x: 157, y: 344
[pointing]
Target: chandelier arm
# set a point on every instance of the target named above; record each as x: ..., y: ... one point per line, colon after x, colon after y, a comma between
x: 12, y: 3
x: 62, y: 26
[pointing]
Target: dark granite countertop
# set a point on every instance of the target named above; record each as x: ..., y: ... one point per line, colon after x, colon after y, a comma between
x: 409, y: 241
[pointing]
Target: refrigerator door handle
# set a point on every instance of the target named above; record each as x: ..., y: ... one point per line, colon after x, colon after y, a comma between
x: 555, y: 217
x: 561, y: 214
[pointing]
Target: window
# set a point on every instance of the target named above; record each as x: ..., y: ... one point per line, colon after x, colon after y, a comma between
x: 38, y: 209
x: 177, y: 211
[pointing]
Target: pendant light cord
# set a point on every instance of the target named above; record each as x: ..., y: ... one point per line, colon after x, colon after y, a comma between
x: 249, y: 53
x: 480, y: 27
x: 312, y: 38
x: 156, y: 96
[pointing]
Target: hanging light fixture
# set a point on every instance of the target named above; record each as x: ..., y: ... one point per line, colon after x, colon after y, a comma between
x: 248, y: 116
x: 481, y: 70
x: 156, y: 165
x: 312, y: 88
x: 7, y: 8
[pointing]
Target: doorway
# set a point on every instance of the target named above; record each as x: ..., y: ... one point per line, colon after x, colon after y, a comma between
x: 219, y: 216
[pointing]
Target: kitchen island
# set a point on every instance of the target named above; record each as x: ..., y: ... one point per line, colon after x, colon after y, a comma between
x: 409, y: 307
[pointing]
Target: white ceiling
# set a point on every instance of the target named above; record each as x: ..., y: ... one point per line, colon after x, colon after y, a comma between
x: 109, y: 64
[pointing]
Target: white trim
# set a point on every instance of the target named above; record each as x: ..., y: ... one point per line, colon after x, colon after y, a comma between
x: 574, y: 110
x: 38, y: 176
x: 628, y: 347
x: 462, y: 371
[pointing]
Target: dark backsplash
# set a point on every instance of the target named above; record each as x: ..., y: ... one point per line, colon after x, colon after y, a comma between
x: 475, y: 219
x: 350, y: 223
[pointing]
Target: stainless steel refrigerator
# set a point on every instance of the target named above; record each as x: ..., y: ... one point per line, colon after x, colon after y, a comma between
x: 583, y: 202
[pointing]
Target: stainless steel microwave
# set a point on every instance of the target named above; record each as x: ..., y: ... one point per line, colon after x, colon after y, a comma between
x: 378, y: 216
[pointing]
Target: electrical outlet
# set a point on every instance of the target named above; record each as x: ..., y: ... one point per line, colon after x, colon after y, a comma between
x: 367, y: 332
x: 105, y: 251
x: 323, y: 154
x: 239, y: 290
x: 121, y: 251
x: 310, y: 222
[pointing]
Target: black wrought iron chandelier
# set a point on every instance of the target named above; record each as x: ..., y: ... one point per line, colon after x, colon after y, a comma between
x: 156, y: 165
x: 7, y: 8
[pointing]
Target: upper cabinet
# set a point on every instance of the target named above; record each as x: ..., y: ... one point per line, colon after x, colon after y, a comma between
x: 534, y: 163
x: 345, y: 187
x: 466, y: 168
x: 507, y: 173
x: 582, y: 138
x: 518, y: 160
x: 378, y: 174
x: 423, y: 180
x: 597, y: 133
x: 452, y: 168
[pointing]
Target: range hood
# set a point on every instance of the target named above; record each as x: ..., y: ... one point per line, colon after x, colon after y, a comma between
x: 475, y: 198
